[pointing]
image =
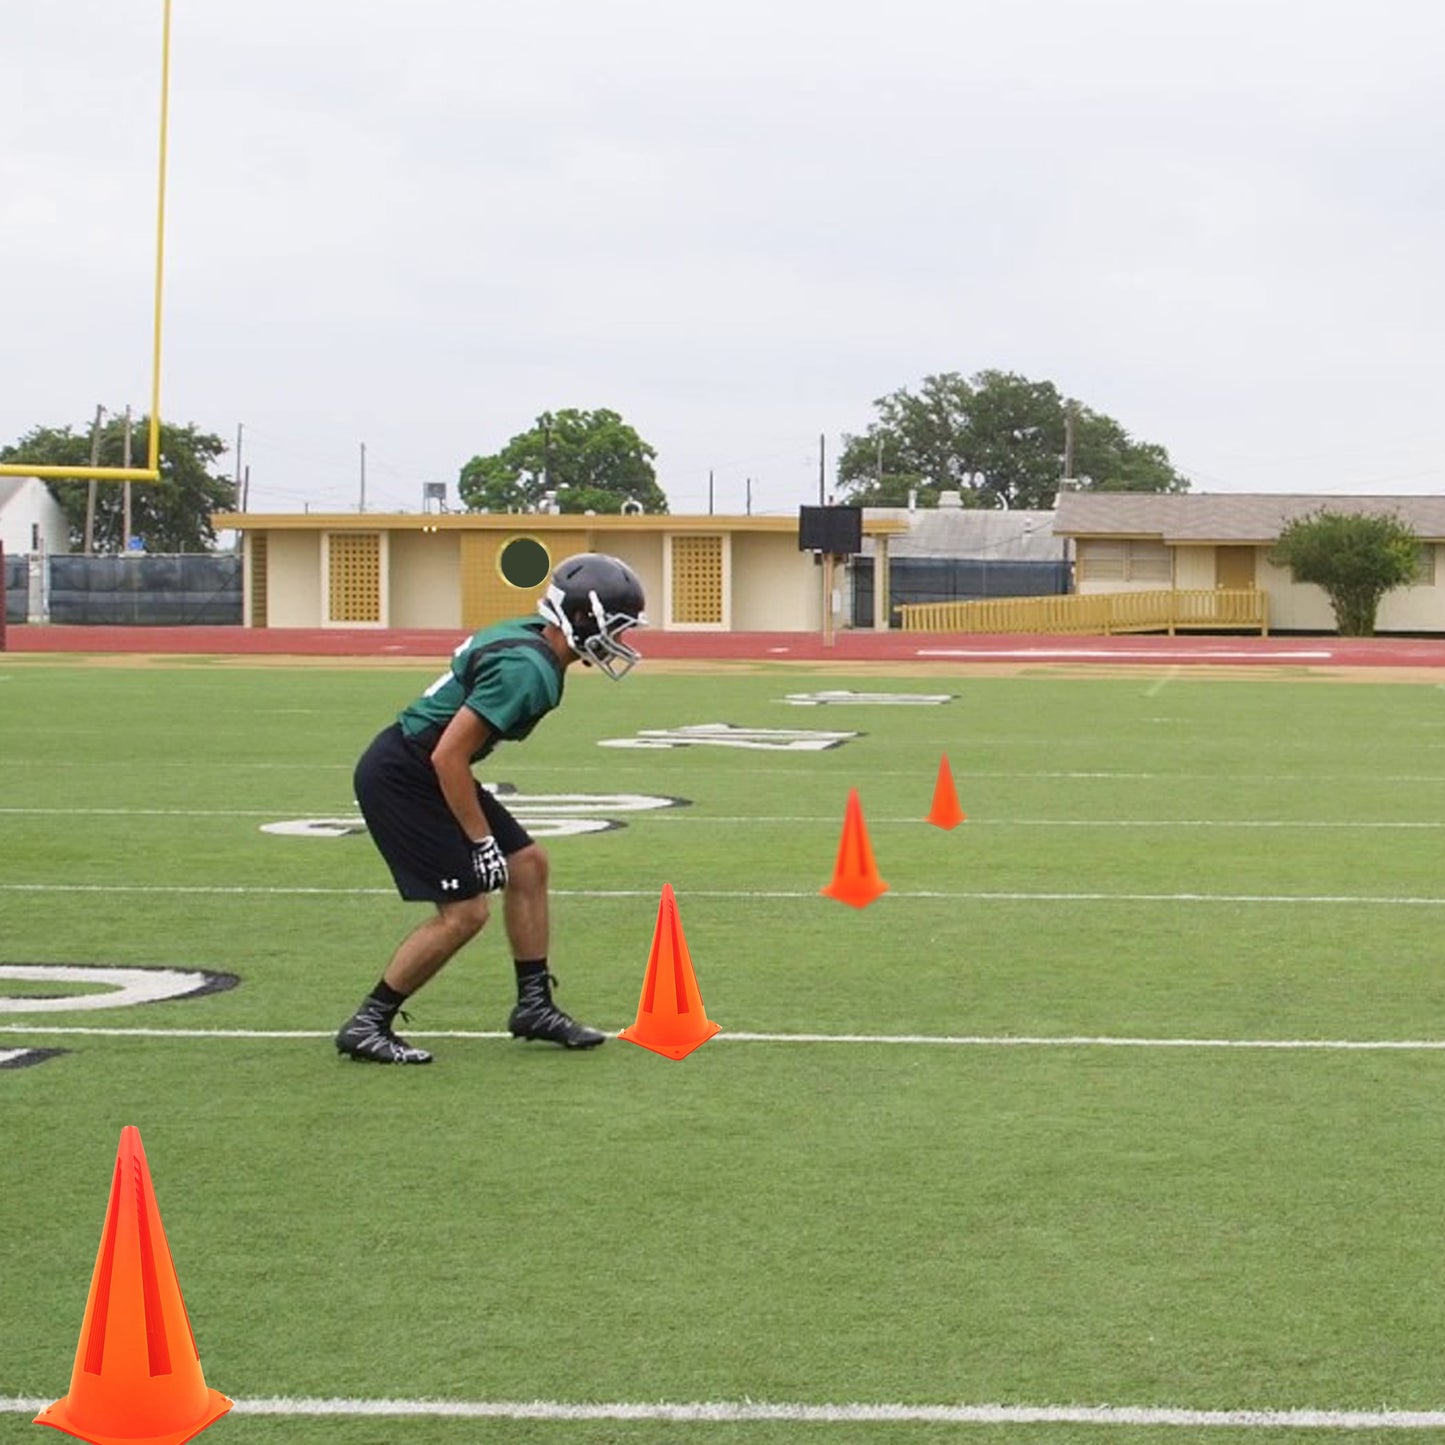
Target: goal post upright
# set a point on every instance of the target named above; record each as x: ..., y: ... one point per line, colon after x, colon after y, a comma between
x: 151, y: 471
x: 153, y: 447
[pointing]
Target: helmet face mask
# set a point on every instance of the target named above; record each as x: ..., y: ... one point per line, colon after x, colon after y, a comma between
x: 593, y: 599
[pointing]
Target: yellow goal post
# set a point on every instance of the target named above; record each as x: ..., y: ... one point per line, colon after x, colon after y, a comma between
x: 151, y: 471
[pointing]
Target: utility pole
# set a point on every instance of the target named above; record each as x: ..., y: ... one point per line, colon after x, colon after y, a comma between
x: 125, y: 511
x: 240, y: 433
x: 90, y: 491
x: 749, y: 494
x: 1071, y: 416
x: 822, y: 446
x: 709, y: 491
x: 361, y: 505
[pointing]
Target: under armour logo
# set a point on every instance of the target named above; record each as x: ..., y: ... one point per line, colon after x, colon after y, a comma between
x: 451, y: 883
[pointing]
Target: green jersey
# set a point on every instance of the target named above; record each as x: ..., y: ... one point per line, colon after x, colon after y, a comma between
x: 506, y: 674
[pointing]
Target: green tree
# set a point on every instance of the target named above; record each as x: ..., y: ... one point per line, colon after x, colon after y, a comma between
x: 172, y: 515
x: 1114, y: 462
x: 998, y: 439
x: 591, y: 460
x: 1355, y: 557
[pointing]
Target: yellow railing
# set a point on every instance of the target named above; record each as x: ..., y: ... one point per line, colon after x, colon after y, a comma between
x: 1098, y: 614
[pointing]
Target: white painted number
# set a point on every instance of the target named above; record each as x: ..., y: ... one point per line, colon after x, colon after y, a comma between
x: 116, y: 987
x: 544, y: 815
x: 886, y: 699
x: 725, y: 735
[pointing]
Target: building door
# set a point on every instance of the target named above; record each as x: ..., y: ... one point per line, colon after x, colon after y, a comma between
x: 1234, y: 567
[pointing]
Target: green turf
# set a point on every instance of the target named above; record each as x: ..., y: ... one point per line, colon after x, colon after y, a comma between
x: 1177, y: 858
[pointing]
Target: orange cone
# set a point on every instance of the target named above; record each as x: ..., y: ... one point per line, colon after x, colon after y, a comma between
x: 670, y: 1016
x: 855, y: 876
x: 137, y: 1379
x: 945, y: 812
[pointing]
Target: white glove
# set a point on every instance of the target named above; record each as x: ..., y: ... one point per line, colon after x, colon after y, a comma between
x: 490, y: 865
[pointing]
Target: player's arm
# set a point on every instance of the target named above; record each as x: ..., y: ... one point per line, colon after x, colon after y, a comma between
x: 452, y: 760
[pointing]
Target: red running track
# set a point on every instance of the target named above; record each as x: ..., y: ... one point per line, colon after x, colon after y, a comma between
x: 919, y: 647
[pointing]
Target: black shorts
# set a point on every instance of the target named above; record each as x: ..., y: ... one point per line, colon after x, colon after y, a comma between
x: 429, y: 855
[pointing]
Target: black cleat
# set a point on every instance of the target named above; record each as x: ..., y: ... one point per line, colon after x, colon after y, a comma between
x: 537, y: 1017
x: 371, y: 1040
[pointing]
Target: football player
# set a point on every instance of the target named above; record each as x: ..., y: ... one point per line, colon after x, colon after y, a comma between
x: 446, y: 839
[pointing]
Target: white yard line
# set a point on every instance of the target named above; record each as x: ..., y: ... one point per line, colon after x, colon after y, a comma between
x: 240, y: 890
x: 1137, y: 654
x: 730, y: 1412
x: 971, y: 1041
x: 711, y: 820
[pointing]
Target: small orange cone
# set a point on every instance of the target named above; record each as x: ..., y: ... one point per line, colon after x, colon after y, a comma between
x: 945, y: 812
x: 137, y: 1378
x: 670, y: 1016
x: 855, y: 876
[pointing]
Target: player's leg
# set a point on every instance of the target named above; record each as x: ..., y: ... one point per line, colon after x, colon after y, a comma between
x: 430, y: 861
x: 370, y: 1033
x: 526, y: 916
x: 423, y: 952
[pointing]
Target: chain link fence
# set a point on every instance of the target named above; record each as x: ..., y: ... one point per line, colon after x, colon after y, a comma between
x: 950, y: 579
x: 174, y: 590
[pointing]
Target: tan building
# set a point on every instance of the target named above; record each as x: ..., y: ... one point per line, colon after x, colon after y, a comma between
x: 450, y: 570
x: 1134, y: 541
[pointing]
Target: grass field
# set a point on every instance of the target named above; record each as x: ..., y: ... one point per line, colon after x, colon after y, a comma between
x: 1128, y: 1094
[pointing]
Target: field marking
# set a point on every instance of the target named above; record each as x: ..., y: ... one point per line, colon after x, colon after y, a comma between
x: 975, y: 1041
x: 976, y: 821
x: 699, y: 764
x: 1135, y: 654
x: 752, y: 895
x: 756, y: 1411
x: 1345, y: 824
x: 163, y: 812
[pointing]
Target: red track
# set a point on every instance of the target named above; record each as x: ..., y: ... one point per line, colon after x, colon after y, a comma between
x: 954, y: 648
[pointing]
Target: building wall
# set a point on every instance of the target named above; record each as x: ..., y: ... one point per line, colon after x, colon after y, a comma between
x: 293, y: 579
x: 1420, y: 608
x: 772, y: 592
x: 425, y: 580
x: 642, y: 551
x: 30, y: 510
x: 1305, y: 608
x: 1293, y: 607
x: 487, y: 596
x: 696, y: 572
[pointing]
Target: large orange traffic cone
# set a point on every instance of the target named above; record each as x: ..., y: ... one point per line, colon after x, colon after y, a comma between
x: 670, y: 1016
x: 855, y: 876
x: 137, y: 1378
x: 945, y: 812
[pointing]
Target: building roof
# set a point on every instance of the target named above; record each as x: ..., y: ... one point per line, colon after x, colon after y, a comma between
x: 1227, y: 517
x: 971, y: 533
x: 520, y: 522
x: 10, y: 488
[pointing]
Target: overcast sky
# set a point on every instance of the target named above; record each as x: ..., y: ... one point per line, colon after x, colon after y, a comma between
x: 415, y: 225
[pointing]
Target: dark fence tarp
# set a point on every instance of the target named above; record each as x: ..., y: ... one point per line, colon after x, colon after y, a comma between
x: 160, y: 591
x: 953, y: 579
x: 17, y: 588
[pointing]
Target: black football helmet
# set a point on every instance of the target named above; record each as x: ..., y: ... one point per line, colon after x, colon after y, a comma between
x: 594, y: 599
